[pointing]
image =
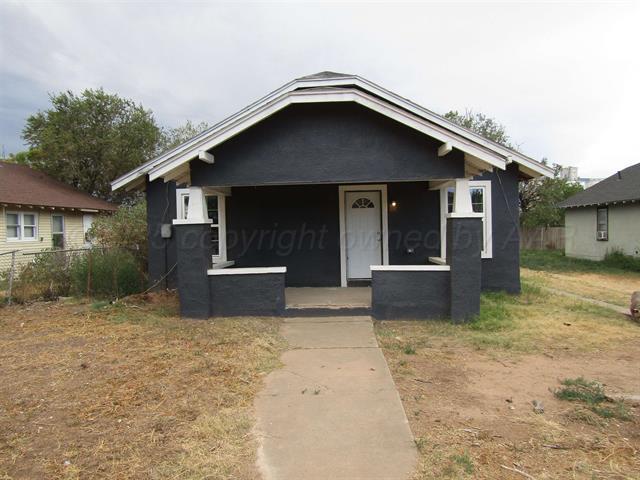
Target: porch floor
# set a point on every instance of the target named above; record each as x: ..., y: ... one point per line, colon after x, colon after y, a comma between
x: 328, y: 297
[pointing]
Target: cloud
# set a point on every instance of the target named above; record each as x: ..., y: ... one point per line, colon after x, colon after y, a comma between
x: 562, y: 77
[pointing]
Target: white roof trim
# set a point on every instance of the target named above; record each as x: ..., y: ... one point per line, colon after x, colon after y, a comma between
x: 531, y: 165
x: 321, y: 96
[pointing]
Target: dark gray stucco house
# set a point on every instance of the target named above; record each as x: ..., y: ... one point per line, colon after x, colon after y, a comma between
x: 331, y: 182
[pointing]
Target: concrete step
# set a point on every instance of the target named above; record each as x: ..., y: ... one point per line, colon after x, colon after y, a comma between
x: 327, y: 311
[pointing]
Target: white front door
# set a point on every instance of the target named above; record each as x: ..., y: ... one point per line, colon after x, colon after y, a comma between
x: 363, y: 232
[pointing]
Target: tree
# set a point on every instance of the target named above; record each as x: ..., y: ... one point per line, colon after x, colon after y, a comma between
x: 21, y: 158
x: 172, y: 137
x: 539, y: 197
x: 482, y: 125
x: 88, y: 140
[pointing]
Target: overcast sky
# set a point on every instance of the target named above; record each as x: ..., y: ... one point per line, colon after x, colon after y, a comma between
x: 563, y: 77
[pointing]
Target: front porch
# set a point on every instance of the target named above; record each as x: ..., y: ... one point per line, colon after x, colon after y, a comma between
x: 281, y: 251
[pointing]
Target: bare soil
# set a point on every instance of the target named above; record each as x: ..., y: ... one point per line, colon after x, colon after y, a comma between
x: 463, y: 402
x: 468, y: 391
x: 129, y: 391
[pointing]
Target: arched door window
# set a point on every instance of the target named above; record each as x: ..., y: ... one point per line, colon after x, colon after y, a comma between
x: 362, y: 203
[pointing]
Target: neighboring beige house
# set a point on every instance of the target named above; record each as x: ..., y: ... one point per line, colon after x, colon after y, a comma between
x: 605, y: 217
x: 39, y: 213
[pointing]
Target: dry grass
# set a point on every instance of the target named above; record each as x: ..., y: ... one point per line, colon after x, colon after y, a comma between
x: 606, y: 287
x: 129, y: 391
x: 534, y: 321
x: 467, y: 390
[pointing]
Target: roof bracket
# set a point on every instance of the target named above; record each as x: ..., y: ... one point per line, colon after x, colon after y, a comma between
x: 444, y: 149
x: 206, y: 157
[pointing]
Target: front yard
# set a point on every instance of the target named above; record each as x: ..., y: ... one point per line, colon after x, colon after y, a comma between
x: 129, y: 391
x: 468, y: 390
x: 604, y: 281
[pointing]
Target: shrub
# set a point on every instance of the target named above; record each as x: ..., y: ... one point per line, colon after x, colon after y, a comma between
x: 114, y: 273
x: 556, y: 261
x: 125, y: 229
x: 617, y: 259
x: 46, y: 277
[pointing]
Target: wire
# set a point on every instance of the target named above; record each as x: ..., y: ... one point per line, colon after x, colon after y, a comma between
x: 160, y: 279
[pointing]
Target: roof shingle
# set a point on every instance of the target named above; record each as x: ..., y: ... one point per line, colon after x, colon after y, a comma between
x: 623, y: 186
x: 22, y: 185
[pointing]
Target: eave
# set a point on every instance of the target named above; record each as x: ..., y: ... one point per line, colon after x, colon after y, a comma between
x: 346, y: 88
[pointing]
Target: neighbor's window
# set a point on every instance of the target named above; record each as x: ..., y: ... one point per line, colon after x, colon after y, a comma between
x: 13, y: 226
x: 215, y: 211
x: 602, y: 233
x: 57, y: 231
x: 480, y: 203
x: 21, y: 226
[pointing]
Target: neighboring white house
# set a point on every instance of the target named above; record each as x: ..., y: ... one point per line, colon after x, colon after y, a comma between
x: 605, y: 217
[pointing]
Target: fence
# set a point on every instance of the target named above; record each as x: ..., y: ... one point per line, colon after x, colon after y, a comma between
x: 92, y: 272
x: 542, y: 238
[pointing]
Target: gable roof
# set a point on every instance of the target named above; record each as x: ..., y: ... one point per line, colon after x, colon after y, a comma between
x: 22, y: 185
x: 483, y: 154
x: 621, y: 187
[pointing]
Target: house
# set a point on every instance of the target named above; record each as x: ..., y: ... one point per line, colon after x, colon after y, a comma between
x: 41, y: 213
x: 331, y: 182
x: 605, y: 217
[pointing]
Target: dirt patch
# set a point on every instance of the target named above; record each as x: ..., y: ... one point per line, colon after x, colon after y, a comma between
x: 129, y: 391
x: 468, y: 389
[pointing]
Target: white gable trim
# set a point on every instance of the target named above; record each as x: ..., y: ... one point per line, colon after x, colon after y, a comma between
x: 530, y: 166
x: 169, y: 168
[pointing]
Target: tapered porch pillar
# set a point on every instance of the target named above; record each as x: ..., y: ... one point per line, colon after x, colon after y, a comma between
x: 193, y: 239
x: 464, y: 247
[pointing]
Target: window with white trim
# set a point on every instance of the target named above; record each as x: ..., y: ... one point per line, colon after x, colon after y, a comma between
x: 602, y: 224
x: 57, y: 231
x: 21, y: 226
x: 480, y: 203
x: 216, y: 212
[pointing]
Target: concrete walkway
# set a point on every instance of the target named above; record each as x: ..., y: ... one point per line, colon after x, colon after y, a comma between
x: 332, y: 411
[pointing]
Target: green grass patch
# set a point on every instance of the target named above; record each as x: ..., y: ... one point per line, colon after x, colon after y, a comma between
x: 495, y: 314
x: 592, y: 394
x: 556, y: 261
x: 464, y: 461
x: 409, y: 350
x: 99, y: 305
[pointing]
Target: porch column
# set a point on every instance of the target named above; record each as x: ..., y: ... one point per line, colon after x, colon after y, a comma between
x: 464, y: 245
x: 193, y: 239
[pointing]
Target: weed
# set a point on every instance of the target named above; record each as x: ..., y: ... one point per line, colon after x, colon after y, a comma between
x: 464, y: 461
x: 619, y: 411
x: 421, y: 444
x: 409, y: 350
x: 592, y: 394
x: 580, y: 389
